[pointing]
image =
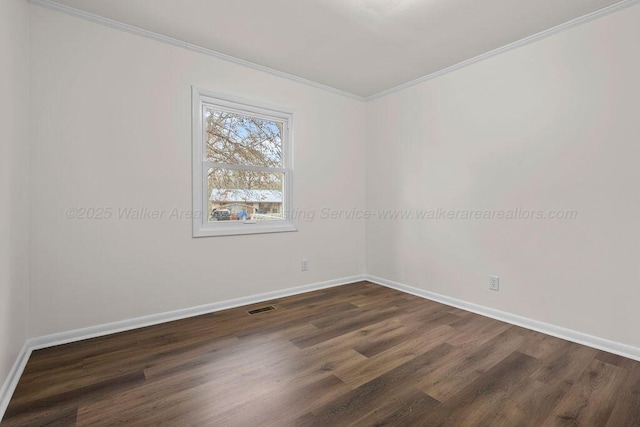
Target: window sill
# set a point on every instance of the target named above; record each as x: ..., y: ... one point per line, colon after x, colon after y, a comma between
x: 234, y: 228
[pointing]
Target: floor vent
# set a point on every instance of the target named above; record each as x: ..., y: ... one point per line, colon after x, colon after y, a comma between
x: 261, y: 310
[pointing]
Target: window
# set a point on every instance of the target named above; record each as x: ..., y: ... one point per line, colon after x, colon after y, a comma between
x: 242, y: 175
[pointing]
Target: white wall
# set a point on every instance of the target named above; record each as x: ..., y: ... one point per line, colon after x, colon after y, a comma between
x: 14, y: 80
x: 112, y: 128
x: 553, y: 125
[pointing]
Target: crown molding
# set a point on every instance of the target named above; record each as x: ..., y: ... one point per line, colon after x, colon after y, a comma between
x: 165, y: 39
x: 511, y: 46
x: 91, y: 17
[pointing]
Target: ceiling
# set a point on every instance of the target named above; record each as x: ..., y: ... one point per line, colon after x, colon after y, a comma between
x: 362, y: 47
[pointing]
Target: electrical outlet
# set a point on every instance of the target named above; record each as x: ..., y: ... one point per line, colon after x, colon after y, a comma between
x: 494, y: 283
x: 304, y: 265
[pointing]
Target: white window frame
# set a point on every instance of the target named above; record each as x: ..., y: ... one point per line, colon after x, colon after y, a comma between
x: 201, y: 225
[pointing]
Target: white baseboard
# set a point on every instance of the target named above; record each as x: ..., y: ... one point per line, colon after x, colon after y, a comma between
x: 154, y: 319
x: 10, y: 383
x: 66, y: 337
x: 535, y: 325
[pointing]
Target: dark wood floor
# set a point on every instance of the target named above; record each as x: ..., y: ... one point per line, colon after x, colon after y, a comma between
x: 358, y: 354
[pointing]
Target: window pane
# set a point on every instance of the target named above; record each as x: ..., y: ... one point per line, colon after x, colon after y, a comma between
x: 239, y: 139
x: 240, y: 194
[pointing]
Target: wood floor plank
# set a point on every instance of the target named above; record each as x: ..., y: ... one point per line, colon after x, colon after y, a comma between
x: 413, y: 407
x: 351, y: 406
x: 626, y: 411
x: 590, y: 401
x: 469, y: 366
x: 345, y: 325
x: 392, y: 335
x: 358, y: 354
x: 532, y: 401
x: 367, y: 370
x: 486, y: 395
x: 60, y: 416
x: 615, y: 360
x: 71, y: 394
x: 474, y: 330
x: 291, y: 404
